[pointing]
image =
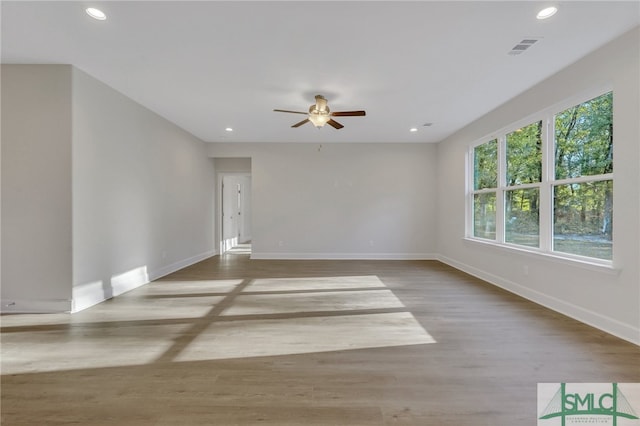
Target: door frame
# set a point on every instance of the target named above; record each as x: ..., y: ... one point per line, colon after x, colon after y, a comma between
x: 219, y: 224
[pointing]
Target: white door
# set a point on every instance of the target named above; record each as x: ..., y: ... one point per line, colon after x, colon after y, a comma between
x: 230, y: 211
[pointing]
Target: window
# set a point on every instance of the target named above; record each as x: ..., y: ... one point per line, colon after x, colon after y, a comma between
x: 485, y: 181
x: 522, y: 192
x: 583, y: 187
x: 548, y: 185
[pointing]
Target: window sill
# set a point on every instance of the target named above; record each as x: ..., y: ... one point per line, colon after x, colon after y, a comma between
x: 604, y: 267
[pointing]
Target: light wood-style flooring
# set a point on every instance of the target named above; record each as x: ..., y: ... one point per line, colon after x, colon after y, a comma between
x: 233, y: 341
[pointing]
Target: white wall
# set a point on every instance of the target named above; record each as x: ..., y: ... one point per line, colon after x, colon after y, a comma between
x: 143, y: 194
x: 609, y: 300
x: 99, y: 195
x: 232, y: 165
x: 340, y: 200
x: 36, y: 188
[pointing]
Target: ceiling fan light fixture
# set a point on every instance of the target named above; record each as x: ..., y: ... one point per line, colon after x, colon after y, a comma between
x: 319, y: 119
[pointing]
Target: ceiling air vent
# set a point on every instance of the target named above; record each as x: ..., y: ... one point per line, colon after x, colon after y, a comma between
x: 523, y: 45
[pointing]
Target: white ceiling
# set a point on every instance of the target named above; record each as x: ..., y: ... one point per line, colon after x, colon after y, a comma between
x: 208, y: 65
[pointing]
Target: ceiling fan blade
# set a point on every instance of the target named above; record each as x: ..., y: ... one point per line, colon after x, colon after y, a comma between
x: 292, y: 112
x: 300, y: 123
x: 348, y: 113
x: 333, y: 123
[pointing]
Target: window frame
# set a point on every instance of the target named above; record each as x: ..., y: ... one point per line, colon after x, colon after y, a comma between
x: 545, y: 187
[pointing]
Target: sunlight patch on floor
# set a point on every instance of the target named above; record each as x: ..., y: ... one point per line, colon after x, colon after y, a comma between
x: 326, y: 314
x: 245, y: 339
x: 78, y: 348
x: 313, y: 302
x: 314, y: 283
x: 184, y: 320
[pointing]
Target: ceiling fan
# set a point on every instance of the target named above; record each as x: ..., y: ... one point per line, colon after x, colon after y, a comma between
x: 319, y: 114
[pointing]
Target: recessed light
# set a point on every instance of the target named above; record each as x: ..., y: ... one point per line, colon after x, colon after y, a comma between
x: 96, y: 13
x: 228, y: 129
x: 547, y: 12
x: 413, y: 129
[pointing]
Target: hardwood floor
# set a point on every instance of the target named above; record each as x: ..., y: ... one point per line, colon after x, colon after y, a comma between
x: 233, y: 341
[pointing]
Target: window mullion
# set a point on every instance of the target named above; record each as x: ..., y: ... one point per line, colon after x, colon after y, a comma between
x: 469, y: 199
x: 546, y: 187
x: 586, y: 178
x: 502, y: 181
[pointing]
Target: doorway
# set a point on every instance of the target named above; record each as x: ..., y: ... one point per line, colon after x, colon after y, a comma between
x: 235, y: 213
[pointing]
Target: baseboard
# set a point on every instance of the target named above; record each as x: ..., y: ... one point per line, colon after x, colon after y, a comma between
x: 344, y: 256
x: 176, y: 266
x: 90, y: 294
x: 34, y: 306
x: 594, y: 319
